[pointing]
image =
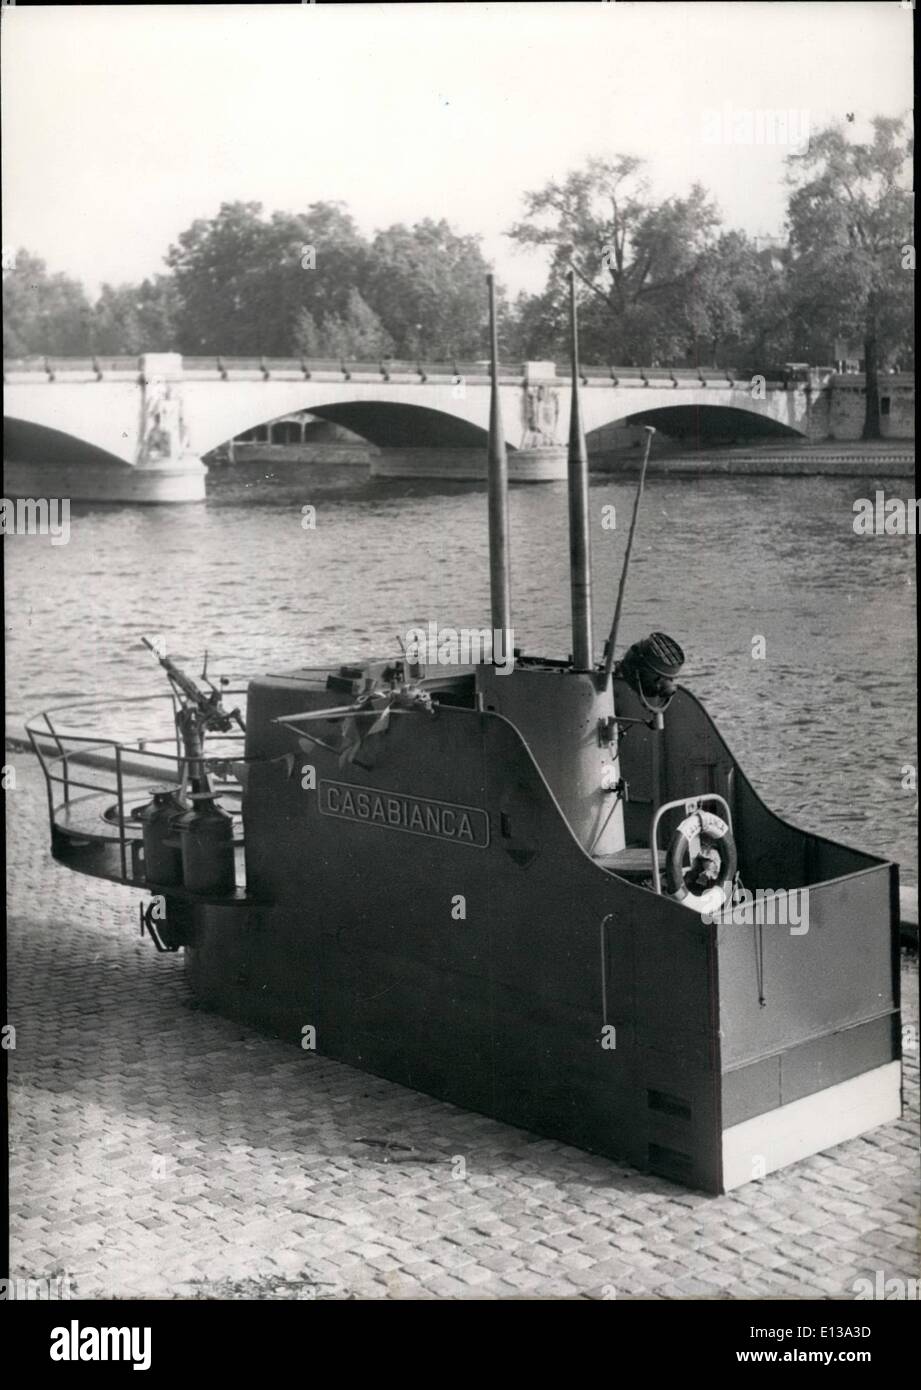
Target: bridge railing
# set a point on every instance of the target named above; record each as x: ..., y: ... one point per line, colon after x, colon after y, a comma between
x: 71, y: 364
x: 387, y: 369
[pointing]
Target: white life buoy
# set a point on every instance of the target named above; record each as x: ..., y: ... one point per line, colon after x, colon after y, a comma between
x: 711, y: 846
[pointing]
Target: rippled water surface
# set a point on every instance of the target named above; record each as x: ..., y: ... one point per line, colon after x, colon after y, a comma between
x: 824, y: 724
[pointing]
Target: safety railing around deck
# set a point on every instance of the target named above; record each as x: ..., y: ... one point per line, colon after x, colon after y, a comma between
x: 93, y: 823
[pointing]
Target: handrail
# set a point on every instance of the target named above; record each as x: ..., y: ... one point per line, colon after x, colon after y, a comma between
x: 220, y: 365
x: 156, y: 757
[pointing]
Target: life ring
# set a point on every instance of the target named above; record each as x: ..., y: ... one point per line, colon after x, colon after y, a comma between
x: 713, y: 867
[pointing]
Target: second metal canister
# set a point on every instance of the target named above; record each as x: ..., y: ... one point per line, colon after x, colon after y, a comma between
x: 206, y: 841
x: 162, y: 855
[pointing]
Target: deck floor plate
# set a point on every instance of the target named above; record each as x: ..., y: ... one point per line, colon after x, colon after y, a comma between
x: 84, y: 814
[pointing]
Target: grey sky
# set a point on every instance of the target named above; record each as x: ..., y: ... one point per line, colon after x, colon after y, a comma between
x: 122, y: 124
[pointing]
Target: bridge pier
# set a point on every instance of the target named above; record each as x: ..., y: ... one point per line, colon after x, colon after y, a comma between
x: 180, y: 478
x: 167, y: 469
x: 543, y: 464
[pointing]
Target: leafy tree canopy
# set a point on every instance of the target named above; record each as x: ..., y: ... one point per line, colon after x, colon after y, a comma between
x: 667, y: 284
x: 44, y: 314
x: 850, y: 218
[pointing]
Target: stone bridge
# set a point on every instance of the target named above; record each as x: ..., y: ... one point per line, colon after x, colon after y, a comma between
x: 136, y: 430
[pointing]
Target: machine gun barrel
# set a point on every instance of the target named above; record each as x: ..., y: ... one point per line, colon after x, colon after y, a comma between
x: 208, y: 703
x: 177, y: 676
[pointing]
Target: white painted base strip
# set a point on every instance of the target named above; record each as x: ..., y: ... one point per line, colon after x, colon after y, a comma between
x: 807, y: 1126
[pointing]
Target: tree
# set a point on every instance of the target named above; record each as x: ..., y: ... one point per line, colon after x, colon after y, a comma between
x: 531, y: 329
x: 310, y: 282
x: 357, y: 336
x: 215, y: 264
x: 665, y: 284
x: 116, y: 324
x: 850, y: 220
x: 158, y: 308
x: 427, y: 285
x: 741, y: 309
x: 244, y: 281
x: 133, y: 319
x: 47, y: 315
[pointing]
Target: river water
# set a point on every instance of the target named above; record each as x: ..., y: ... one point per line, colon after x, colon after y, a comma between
x: 824, y: 723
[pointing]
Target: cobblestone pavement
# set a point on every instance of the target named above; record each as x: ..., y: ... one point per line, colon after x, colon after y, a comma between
x: 158, y: 1151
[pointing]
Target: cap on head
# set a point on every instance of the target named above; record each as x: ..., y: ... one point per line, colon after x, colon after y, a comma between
x: 650, y: 666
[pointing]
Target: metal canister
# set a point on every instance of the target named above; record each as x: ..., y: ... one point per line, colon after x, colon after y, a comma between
x: 162, y: 855
x: 206, y: 842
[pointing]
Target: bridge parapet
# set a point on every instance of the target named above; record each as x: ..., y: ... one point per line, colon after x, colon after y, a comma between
x: 687, y: 378
x: 30, y: 369
x: 388, y: 369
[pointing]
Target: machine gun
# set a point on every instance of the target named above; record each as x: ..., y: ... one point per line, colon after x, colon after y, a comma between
x: 208, y: 706
x: 200, y: 712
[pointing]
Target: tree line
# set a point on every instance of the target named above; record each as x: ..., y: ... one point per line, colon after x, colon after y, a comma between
x: 664, y: 281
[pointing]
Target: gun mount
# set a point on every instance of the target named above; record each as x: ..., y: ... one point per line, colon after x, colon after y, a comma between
x: 199, y: 712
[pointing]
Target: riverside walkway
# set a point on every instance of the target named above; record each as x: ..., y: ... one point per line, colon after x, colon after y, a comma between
x: 789, y: 458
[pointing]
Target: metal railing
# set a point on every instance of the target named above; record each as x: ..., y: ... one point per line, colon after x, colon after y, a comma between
x: 387, y: 368
x: 127, y: 767
x: 690, y: 804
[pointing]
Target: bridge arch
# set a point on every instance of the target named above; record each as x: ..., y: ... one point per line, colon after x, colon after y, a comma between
x: 25, y: 441
x: 390, y: 415
x: 394, y: 424
x: 702, y: 423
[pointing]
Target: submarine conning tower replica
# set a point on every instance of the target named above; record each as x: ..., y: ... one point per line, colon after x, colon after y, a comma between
x: 540, y: 889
